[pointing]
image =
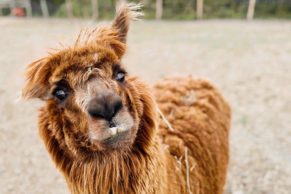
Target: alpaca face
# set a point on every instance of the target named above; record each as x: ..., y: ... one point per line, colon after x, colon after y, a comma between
x: 104, y: 103
x: 92, y: 104
x: 94, y: 92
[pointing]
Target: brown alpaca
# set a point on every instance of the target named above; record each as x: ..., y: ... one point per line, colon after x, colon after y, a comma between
x: 105, y: 133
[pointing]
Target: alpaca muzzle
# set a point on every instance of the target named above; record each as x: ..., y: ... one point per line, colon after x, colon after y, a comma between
x: 104, y: 106
x: 109, y: 121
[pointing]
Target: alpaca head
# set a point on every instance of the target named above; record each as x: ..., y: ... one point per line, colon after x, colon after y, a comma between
x: 93, y: 105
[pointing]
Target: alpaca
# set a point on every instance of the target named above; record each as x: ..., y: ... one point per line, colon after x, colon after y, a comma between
x: 108, y: 132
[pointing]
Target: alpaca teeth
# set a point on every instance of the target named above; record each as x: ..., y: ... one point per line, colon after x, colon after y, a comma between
x: 113, y: 130
x: 121, y: 129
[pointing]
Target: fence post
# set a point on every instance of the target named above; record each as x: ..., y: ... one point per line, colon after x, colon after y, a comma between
x: 44, y: 9
x: 29, y: 8
x: 199, y: 9
x: 145, y: 2
x: 122, y: 1
x: 69, y: 8
x: 159, y: 9
x: 251, y: 9
x: 119, y: 2
x: 95, y: 9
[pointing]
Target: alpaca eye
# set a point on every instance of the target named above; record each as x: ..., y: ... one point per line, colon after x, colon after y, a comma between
x: 60, y: 94
x: 120, y: 76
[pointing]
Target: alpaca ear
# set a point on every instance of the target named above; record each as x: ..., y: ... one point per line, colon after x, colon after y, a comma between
x: 37, y: 85
x: 124, y: 14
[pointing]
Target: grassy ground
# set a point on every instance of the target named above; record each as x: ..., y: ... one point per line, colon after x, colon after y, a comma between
x: 249, y: 62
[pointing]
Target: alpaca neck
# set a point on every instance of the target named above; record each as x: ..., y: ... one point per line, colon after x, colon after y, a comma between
x: 134, y: 172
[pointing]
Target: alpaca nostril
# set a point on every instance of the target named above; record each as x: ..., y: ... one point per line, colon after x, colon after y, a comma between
x: 111, y: 124
x: 117, y: 106
x: 95, y: 110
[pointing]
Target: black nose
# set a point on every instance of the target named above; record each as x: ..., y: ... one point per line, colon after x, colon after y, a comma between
x: 105, y: 106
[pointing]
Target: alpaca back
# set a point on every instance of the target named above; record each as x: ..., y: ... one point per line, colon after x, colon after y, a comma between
x: 197, y: 134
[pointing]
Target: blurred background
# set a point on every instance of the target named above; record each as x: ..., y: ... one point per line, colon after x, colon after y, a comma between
x: 242, y: 46
x: 166, y: 9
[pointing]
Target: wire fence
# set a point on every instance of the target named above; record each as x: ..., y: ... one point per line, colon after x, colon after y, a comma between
x: 154, y: 9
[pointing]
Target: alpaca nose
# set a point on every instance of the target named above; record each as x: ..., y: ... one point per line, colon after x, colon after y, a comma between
x: 105, y: 106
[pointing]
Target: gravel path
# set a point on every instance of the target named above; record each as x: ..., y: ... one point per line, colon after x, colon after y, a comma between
x: 249, y: 62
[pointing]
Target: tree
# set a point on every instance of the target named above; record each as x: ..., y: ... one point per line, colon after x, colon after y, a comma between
x: 122, y: 1
x: 145, y: 2
x: 118, y: 2
x: 251, y: 9
x: 44, y: 9
x: 199, y: 9
x: 95, y: 9
x: 69, y: 8
x: 159, y: 9
x: 29, y: 8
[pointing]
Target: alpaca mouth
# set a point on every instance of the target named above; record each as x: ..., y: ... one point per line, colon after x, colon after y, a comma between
x: 108, y: 132
x: 116, y: 134
x: 115, y: 131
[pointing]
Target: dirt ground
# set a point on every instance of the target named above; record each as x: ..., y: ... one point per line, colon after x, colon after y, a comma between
x: 249, y: 61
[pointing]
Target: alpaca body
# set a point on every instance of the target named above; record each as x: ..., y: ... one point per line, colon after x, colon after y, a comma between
x: 102, y: 128
x: 200, y: 120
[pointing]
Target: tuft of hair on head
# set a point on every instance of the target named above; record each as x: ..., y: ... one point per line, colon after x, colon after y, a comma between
x: 124, y: 14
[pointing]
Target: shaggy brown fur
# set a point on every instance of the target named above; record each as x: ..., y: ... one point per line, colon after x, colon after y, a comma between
x: 200, y: 120
x: 187, y: 155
